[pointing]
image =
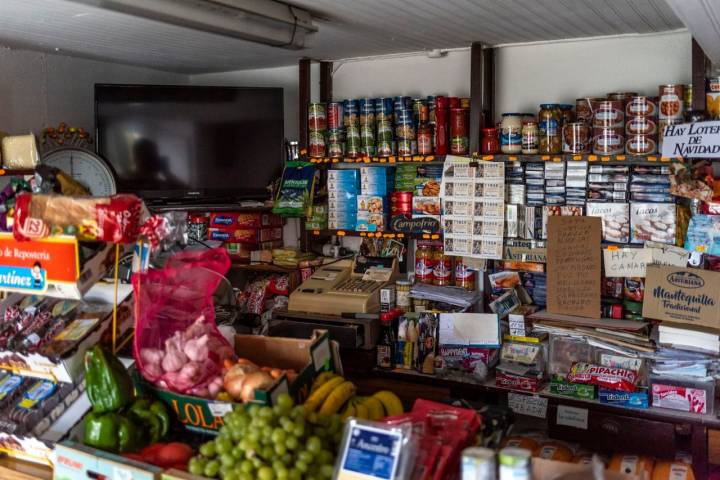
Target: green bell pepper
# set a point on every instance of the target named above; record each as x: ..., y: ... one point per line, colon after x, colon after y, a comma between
x: 153, y: 416
x: 108, y: 384
x: 112, y: 432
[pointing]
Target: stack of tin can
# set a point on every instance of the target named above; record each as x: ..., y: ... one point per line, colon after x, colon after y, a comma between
x: 336, y: 130
x: 671, y: 110
x: 641, y: 125
x: 384, y: 120
x: 317, y: 125
x: 608, y: 126
x: 351, y: 120
x: 405, y: 127
x: 367, y: 127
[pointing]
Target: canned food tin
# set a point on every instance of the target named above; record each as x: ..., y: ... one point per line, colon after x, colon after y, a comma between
x: 621, y: 96
x: 459, y: 141
x: 317, y: 118
x: 367, y: 104
x: 478, y: 463
x: 608, y: 141
x: 316, y: 144
x: 514, y: 463
x: 335, y: 150
x: 335, y: 136
x: 406, y: 147
x: 640, y: 126
x: 367, y: 135
x: 401, y: 197
x: 576, y: 137
x: 641, y: 144
x: 584, y: 109
x: 712, y: 97
x: 641, y: 105
x: 609, y: 113
x: 384, y: 148
x: 417, y: 104
x: 401, y: 209
x: 670, y: 104
x: 384, y: 131
x: 334, y: 115
x: 368, y: 150
x: 352, y: 142
x: 350, y: 113
x: 384, y: 109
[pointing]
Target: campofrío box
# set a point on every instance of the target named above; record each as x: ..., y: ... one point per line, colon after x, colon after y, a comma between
x: 306, y: 357
x: 682, y: 295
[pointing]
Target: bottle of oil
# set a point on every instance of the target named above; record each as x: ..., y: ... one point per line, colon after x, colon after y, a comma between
x: 386, y: 344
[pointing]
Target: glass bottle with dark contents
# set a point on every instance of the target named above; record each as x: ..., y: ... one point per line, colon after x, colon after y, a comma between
x: 386, y: 343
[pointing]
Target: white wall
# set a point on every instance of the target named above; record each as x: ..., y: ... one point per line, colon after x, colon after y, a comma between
x: 528, y: 75
x: 39, y: 89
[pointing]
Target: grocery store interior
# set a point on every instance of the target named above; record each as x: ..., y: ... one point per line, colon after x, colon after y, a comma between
x: 359, y: 239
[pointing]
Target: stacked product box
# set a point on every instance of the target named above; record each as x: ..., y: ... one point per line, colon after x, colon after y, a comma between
x: 607, y: 183
x: 650, y: 183
x: 376, y: 183
x: 535, y: 183
x: 576, y: 183
x: 554, y: 183
x: 514, y: 198
x: 343, y: 187
x: 522, y: 363
x: 652, y: 222
x: 245, y: 232
x: 615, y: 220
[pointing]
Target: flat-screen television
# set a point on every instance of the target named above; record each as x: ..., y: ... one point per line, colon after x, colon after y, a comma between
x: 178, y: 143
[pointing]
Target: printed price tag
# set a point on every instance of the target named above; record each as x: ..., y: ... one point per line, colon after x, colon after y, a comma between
x: 517, y: 325
x: 530, y: 405
x: 572, y: 417
x: 370, y: 453
x: 220, y: 409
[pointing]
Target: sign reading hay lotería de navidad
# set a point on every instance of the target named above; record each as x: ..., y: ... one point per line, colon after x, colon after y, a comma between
x: 692, y: 140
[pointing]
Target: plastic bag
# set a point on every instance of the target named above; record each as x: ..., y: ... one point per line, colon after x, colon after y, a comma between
x: 296, y: 190
x: 177, y: 344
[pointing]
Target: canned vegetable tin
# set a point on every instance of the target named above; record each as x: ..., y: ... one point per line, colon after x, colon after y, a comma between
x: 514, y: 463
x: 478, y: 463
x: 334, y: 115
x: 317, y: 118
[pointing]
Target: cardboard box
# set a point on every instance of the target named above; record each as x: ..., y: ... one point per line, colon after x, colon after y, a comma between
x: 51, y: 266
x: 306, y: 357
x: 70, y: 366
x: 244, y: 220
x: 245, y: 235
x: 682, y: 295
x: 78, y: 461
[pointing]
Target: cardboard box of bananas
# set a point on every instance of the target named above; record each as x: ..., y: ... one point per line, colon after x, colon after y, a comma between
x: 331, y: 393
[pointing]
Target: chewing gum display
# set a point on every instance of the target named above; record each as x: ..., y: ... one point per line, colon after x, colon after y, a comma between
x: 611, y: 378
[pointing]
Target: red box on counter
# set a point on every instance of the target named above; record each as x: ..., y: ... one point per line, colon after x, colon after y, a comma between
x: 246, y: 235
x: 517, y: 382
x: 236, y: 220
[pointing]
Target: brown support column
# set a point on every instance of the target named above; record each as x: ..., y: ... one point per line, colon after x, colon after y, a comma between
x: 700, y: 69
x: 304, y: 100
x: 326, y: 81
x: 482, y: 91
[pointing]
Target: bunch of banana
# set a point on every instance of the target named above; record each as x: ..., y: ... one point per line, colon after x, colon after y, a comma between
x: 330, y: 392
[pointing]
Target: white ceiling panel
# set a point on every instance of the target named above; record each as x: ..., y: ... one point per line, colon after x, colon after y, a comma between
x: 703, y: 19
x: 347, y: 28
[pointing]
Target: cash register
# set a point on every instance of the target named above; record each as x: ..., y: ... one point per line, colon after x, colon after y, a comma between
x: 343, y: 297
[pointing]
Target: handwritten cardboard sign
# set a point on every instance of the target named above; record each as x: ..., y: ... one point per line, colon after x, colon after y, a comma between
x: 626, y: 262
x: 692, y: 140
x: 670, y: 255
x: 574, y: 266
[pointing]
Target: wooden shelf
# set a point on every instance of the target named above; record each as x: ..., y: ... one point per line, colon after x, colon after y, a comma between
x: 651, y: 413
x: 624, y: 159
x: 262, y: 267
x: 6, y: 172
x: 398, y: 235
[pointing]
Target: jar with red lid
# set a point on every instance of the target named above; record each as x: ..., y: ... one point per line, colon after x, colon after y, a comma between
x: 490, y: 143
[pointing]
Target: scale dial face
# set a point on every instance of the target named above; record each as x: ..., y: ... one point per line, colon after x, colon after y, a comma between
x: 85, y: 167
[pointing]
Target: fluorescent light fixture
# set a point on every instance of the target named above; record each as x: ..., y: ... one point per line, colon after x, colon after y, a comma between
x: 263, y: 21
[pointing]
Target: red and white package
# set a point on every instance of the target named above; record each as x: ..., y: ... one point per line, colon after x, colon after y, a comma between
x: 608, y: 377
x: 681, y: 398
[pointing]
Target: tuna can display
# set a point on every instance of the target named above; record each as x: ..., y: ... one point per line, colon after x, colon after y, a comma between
x: 712, y: 97
x: 576, y: 137
x: 459, y: 140
x: 670, y: 103
x: 367, y: 111
x: 350, y: 113
x: 608, y: 140
x: 384, y: 110
x: 352, y: 142
x: 641, y: 144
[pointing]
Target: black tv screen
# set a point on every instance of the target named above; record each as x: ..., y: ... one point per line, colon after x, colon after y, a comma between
x: 183, y: 142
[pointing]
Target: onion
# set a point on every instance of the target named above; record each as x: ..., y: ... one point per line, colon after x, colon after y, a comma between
x: 252, y: 381
x: 234, y: 378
